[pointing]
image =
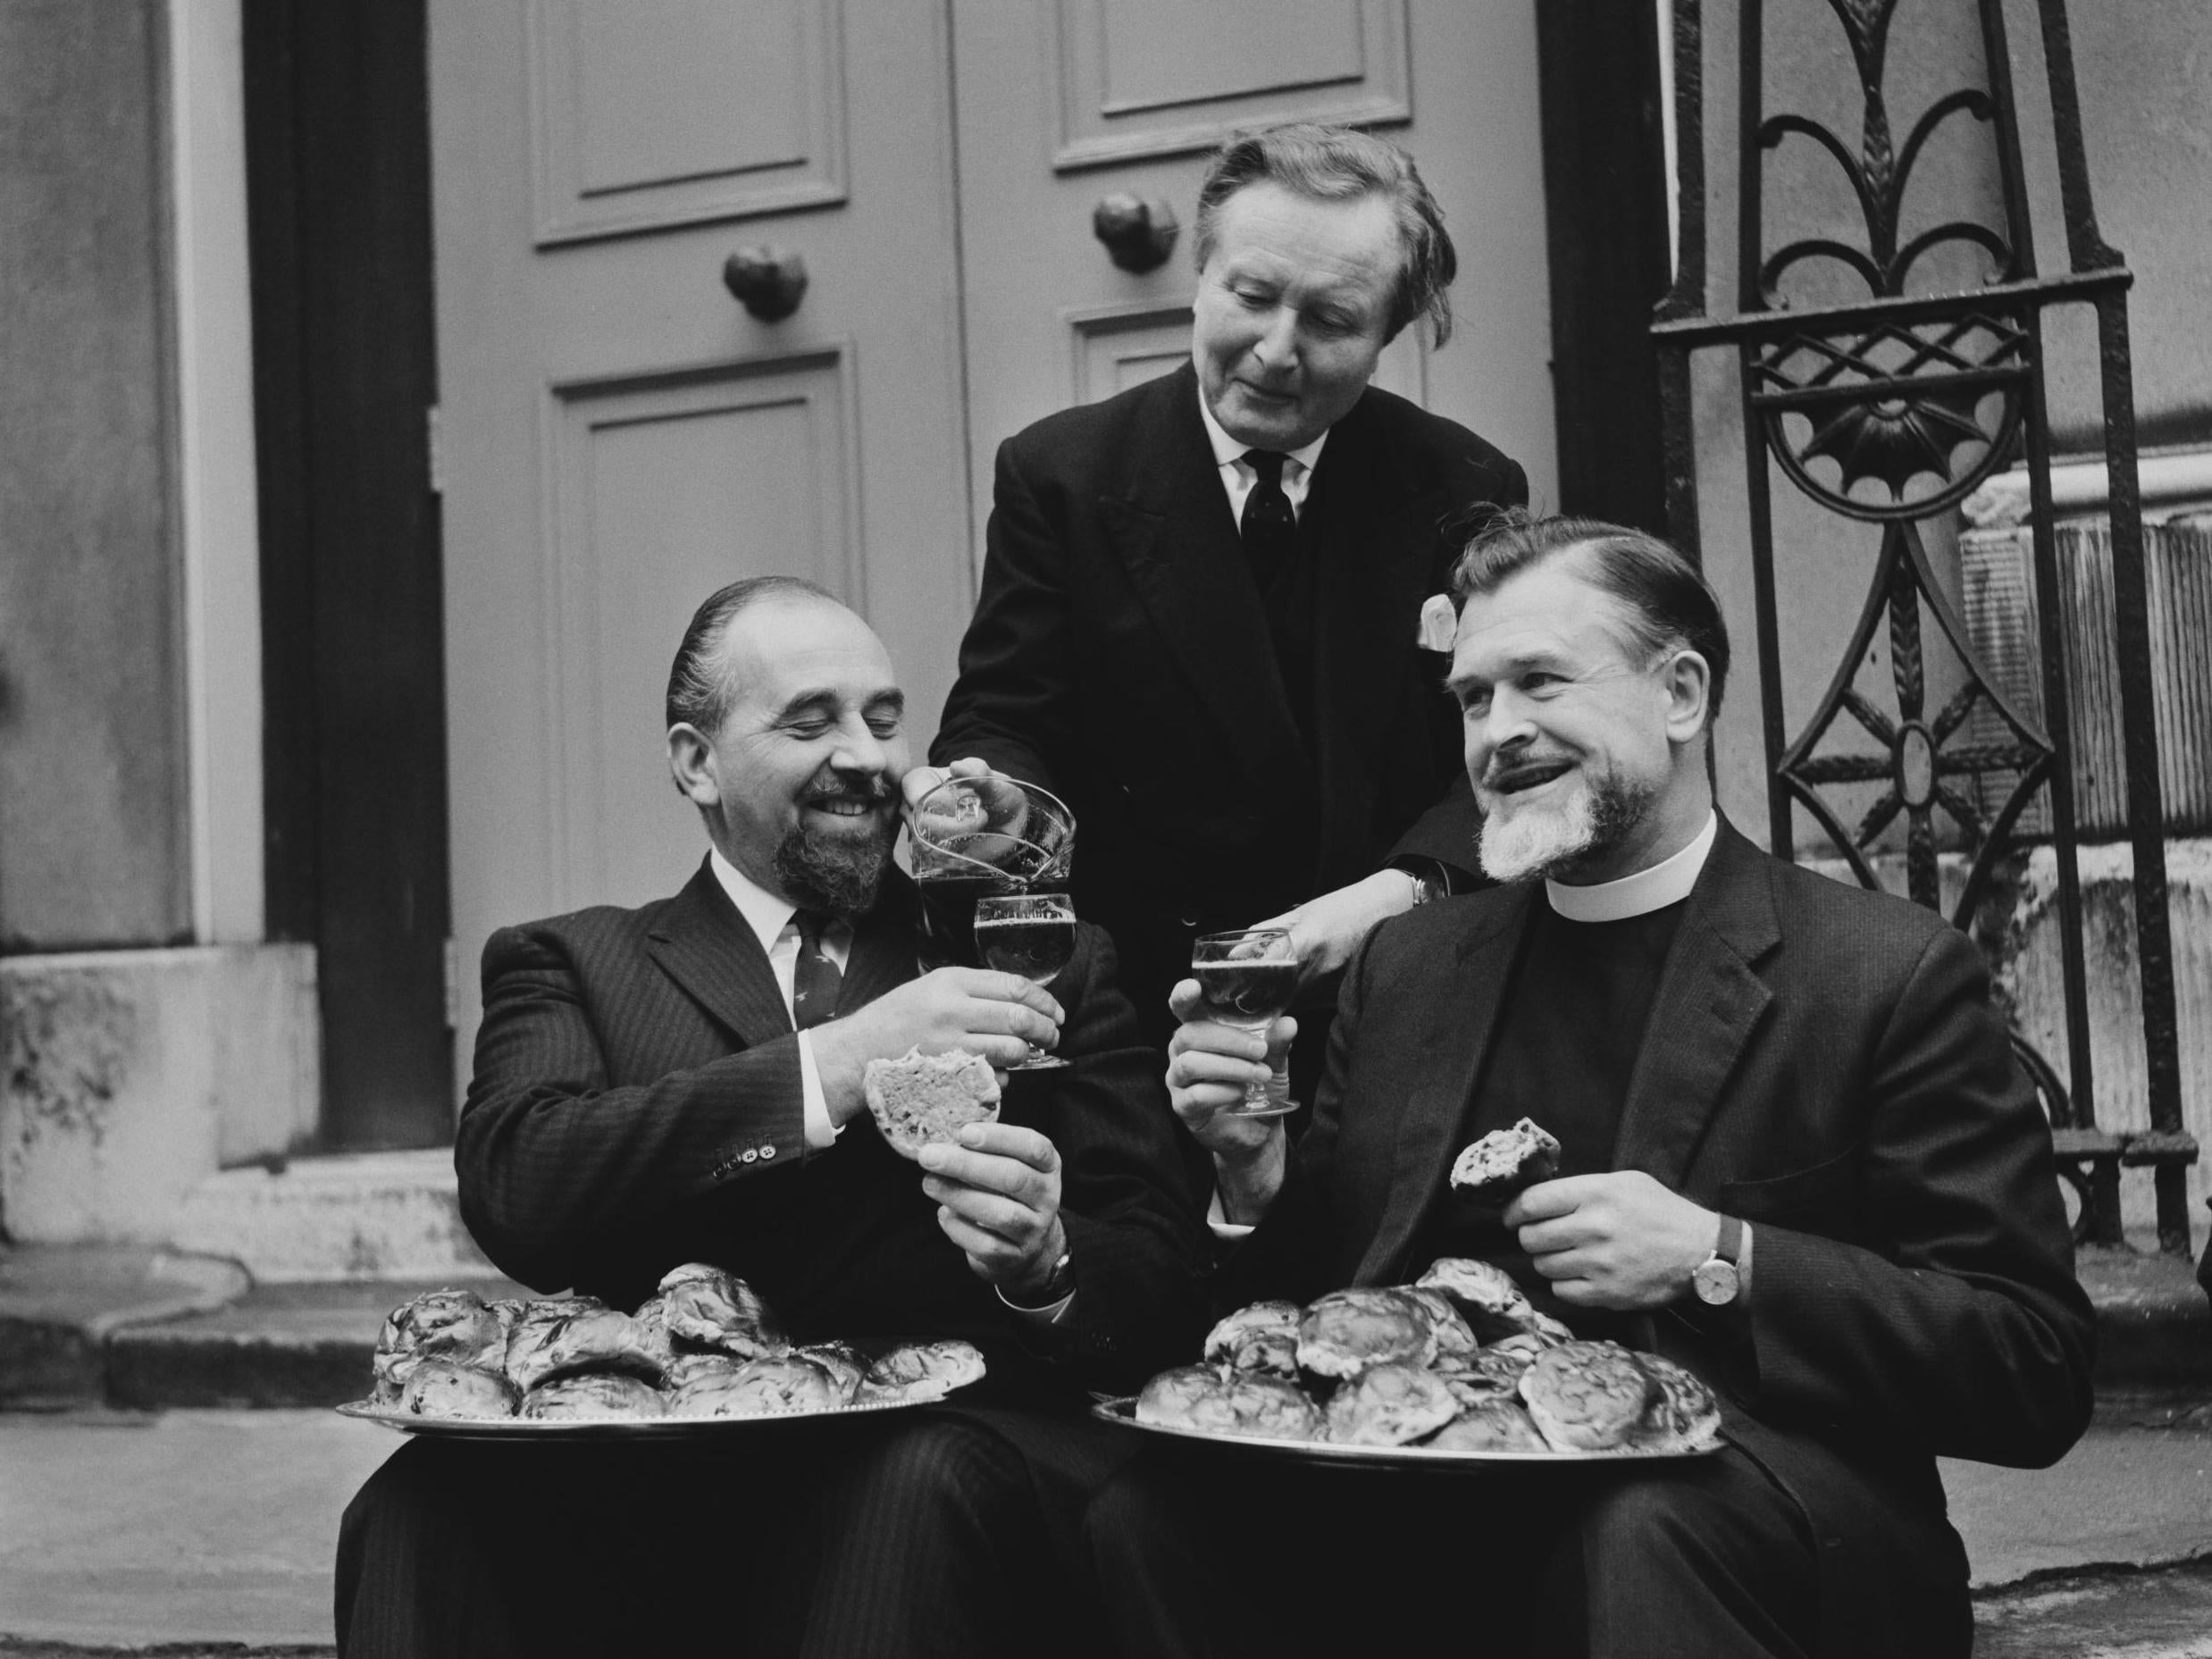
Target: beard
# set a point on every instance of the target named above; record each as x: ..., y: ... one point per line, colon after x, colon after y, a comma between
x: 1550, y: 839
x: 840, y: 874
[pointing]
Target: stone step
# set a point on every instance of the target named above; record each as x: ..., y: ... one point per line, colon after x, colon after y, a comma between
x: 361, y: 1216
x: 141, y: 1328
x: 277, y: 1345
x: 60, y: 1305
x: 150, y: 1329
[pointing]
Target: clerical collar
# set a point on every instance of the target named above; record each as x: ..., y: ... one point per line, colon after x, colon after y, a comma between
x: 1228, y: 451
x: 1667, y: 881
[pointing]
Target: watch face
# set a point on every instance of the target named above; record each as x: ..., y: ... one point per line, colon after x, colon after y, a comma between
x: 1714, y: 1281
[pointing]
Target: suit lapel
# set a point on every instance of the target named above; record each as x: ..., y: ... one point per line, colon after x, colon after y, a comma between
x: 1454, y: 1041
x: 1709, y: 1002
x: 1169, y: 524
x: 702, y: 943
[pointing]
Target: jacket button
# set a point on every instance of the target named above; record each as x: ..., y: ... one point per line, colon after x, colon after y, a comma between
x: 750, y: 1154
x: 1187, y: 921
x: 767, y: 1152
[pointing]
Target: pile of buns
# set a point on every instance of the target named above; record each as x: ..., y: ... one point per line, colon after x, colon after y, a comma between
x: 1459, y: 1361
x: 704, y: 1344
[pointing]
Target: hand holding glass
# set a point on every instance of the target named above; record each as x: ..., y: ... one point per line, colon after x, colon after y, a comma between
x: 1246, y: 980
x: 1032, y: 935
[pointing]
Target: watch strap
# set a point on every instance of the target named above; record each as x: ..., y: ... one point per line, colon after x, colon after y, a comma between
x: 1729, y: 1245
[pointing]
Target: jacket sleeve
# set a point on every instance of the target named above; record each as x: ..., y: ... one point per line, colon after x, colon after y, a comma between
x: 1135, y: 1247
x: 556, y: 1166
x: 1014, y: 704
x: 1955, y: 1321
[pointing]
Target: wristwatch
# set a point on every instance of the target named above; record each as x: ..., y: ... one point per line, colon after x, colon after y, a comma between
x: 1715, y: 1279
x: 1429, y: 885
x: 1057, y: 1282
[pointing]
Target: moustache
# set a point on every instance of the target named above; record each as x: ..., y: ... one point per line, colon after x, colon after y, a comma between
x: 876, y: 792
x: 1500, y: 778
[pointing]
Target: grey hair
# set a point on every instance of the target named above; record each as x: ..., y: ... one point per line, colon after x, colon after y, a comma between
x: 698, y: 688
x: 1337, y: 164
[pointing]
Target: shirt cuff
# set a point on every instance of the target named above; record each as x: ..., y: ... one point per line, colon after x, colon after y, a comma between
x: 1218, y: 1220
x: 821, y: 1132
x: 1054, y: 1313
x: 1743, y: 1264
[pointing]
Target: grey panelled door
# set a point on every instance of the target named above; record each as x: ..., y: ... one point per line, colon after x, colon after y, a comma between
x: 1065, y: 101
x: 619, y: 436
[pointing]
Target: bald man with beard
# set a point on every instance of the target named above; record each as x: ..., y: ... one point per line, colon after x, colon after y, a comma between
x: 682, y: 1083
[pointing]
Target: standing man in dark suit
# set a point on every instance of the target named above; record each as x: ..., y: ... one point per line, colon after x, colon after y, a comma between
x: 1200, y: 598
x: 683, y: 1082
x: 1797, y: 1157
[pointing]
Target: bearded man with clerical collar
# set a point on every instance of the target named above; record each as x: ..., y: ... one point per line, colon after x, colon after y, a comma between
x: 1793, y: 1092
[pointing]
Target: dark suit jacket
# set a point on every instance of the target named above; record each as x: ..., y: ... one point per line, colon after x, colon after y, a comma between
x: 1119, y: 656
x: 637, y: 1104
x: 1824, y: 1063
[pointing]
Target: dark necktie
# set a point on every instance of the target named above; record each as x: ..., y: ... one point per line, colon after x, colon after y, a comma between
x: 815, y: 979
x: 1268, y: 527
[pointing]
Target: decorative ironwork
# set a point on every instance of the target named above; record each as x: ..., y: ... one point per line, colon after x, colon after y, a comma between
x: 1888, y: 410
x: 1893, y: 404
x: 1917, y: 763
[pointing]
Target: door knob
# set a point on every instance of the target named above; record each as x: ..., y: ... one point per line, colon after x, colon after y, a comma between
x: 768, y: 282
x: 1139, y: 233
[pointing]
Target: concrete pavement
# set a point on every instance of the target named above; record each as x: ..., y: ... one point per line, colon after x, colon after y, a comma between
x: 123, y: 1531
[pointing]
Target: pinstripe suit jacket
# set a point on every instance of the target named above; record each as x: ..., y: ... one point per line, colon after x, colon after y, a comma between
x: 636, y: 1103
x: 1822, y: 1062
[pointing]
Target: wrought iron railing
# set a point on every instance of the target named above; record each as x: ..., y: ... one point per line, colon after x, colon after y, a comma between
x: 1888, y: 410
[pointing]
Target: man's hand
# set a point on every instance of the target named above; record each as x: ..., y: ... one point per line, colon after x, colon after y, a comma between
x: 998, y: 812
x: 988, y: 1013
x: 1324, y: 931
x: 1619, y: 1241
x: 998, y: 1198
x: 918, y: 780
x: 1208, y: 1065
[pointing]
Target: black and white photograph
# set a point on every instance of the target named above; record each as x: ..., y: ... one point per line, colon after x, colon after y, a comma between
x: 1139, y: 829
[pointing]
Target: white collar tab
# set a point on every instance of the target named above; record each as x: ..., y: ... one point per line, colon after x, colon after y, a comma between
x: 1667, y: 881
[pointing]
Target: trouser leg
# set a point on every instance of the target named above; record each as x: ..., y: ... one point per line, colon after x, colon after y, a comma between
x: 1707, y: 1559
x: 429, y: 1563
x: 484, y: 1551
x: 928, y: 1540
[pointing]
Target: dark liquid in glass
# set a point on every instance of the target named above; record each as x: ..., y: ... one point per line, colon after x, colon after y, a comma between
x: 1246, y: 993
x: 1035, y: 947
x: 948, y: 911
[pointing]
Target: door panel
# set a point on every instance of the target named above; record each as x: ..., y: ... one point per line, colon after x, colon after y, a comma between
x: 682, y: 111
x: 620, y: 437
x: 1161, y: 76
x: 669, y: 488
x: 1132, y: 96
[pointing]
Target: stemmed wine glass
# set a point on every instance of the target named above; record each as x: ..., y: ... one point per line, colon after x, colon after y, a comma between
x: 981, y: 834
x: 1032, y: 935
x: 1246, y: 979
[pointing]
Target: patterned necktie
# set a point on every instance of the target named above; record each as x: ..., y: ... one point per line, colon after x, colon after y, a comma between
x: 1268, y: 527
x: 815, y: 979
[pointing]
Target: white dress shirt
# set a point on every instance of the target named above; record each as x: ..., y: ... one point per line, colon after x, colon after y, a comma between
x: 1237, y: 474
x: 774, y: 923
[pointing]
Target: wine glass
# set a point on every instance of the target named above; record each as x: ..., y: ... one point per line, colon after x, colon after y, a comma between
x: 1246, y: 979
x: 985, y: 834
x: 1032, y: 934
